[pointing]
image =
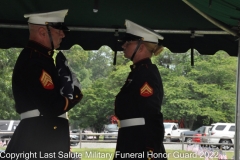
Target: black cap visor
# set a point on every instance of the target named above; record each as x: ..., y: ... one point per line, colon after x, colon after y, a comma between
x: 59, y: 25
x: 129, y: 37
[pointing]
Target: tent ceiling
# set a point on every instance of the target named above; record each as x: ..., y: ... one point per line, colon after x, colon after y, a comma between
x: 172, y: 18
x: 226, y: 11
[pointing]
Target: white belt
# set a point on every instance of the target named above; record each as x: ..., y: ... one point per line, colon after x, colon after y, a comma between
x: 36, y: 113
x: 132, y: 122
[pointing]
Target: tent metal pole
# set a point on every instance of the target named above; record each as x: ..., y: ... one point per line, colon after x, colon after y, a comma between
x: 72, y: 28
x: 237, y: 114
x: 211, y: 19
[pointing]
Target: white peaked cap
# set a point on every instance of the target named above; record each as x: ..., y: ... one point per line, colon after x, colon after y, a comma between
x: 42, y: 18
x: 146, y: 34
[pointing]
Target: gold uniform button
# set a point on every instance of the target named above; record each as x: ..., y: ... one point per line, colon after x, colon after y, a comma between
x: 55, y: 127
x: 49, y: 53
x: 76, y: 96
x: 149, y: 158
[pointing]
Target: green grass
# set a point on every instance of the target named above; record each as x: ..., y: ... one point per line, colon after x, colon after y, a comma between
x: 107, y: 154
x: 2, y: 148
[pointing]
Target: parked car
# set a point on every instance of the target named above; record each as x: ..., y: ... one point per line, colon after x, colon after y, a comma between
x: 7, y: 126
x: 206, y: 134
x: 113, y: 130
x: 84, y: 137
x: 197, y: 138
x: 88, y: 137
x: 74, y: 137
x: 172, y: 131
x: 203, y: 130
x: 75, y: 131
x: 222, y: 133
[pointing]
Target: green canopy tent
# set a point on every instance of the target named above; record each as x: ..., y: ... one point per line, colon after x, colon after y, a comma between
x: 206, y: 25
x: 176, y: 21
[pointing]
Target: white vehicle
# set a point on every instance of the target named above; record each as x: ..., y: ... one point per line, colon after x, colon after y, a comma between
x: 88, y: 137
x: 222, y: 133
x: 7, y: 126
x: 172, y: 132
x: 74, y: 137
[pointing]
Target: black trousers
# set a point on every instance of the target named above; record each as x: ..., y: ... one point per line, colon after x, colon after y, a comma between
x: 139, y: 143
x: 40, y: 138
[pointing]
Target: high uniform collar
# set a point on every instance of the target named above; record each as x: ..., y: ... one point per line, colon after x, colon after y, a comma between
x: 40, y: 48
x: 144, y: 61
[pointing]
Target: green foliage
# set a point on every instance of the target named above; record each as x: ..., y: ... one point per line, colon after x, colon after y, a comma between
x: 206, y: 90
x: 96, y: 106
x: 100, y: 62
x: 7, y: 61
x: 98, y: 101
x: 77, y: 59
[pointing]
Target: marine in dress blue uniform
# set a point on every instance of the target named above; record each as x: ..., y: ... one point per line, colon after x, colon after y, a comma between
x: 43, y: 93
x: 138, y: 104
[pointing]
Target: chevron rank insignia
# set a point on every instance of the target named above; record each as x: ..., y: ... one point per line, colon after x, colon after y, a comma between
x: 146, y: 90
x: 46, y: 80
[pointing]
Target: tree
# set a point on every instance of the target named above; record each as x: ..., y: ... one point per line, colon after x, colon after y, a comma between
x: 100, y: 62
x: 8, y: 58
x: 97, y: 105
x: 207, y: 89
x: 77, y: 59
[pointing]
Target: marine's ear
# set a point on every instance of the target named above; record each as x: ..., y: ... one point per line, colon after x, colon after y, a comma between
x: 141, y: 47
x: 42, y: 32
